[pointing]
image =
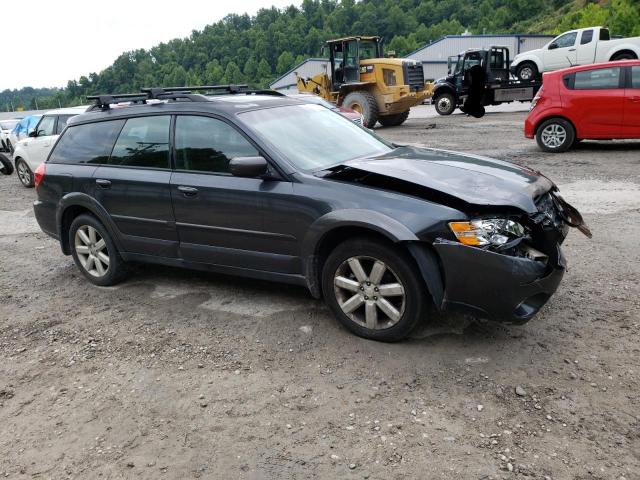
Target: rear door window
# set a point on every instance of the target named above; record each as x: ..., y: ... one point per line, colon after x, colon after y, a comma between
x: 635, y: 77
x: 587, y: 36
x: 598, y: 79
x: 143, y: 142
x: 89, y: 143
x: 207, y: 144
x: 46, y: 126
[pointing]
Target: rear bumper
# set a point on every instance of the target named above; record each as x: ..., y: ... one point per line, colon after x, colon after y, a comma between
x: 495, y: 286
x: 45, y: 216
x: 529, y: 127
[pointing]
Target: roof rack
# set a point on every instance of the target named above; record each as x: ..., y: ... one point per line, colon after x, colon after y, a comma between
x: 104, y: 102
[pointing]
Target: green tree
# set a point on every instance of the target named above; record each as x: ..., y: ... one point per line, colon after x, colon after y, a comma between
x: 285, y: 62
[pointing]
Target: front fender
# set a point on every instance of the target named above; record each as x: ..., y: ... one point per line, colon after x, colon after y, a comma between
x: 77, y: 199
x: 530, y: 56
x: 367, y: 219
x: 444, y: 87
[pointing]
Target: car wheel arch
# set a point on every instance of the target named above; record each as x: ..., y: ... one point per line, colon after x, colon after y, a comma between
x: 74, y: 204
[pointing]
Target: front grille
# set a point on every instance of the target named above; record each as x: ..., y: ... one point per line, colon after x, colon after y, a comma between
x: 414, y: 76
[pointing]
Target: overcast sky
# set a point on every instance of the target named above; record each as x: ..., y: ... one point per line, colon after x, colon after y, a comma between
x: 48, y: 42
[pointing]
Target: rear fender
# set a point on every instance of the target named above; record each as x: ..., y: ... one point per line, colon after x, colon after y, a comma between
x: 77, y: 199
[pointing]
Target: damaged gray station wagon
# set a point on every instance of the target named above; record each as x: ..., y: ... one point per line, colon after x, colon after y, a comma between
x: 256, y: 184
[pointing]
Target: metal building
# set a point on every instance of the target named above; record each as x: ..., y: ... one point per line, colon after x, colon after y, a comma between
x: 434, y: 55
x: 306, y: 68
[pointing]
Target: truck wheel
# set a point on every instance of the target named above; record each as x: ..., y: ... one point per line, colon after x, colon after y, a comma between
x: 555, y: 135
x: 374, y: 289
x: 623, y: 56
x: 445, y: 103
x: 394, y: 120
x: 365, y: 104
x: 527, y: 71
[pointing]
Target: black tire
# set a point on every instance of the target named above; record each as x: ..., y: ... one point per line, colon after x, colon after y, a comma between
x: 445, y: 103
x: 25, y: 175
x: 527, y: 72
x: 6, y: 167
x: 364, y: 103
x: 623, y: 56
x: 116, y: 269
x: 555, y: 135
x: 9, y: 146
x: 410, y: 307
x: 394, y: 120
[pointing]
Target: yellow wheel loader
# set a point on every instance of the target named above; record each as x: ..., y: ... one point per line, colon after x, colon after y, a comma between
x: 380, y: 89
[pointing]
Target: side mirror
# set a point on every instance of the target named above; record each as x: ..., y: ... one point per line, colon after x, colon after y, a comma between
x: 33, y: 133
x: 553, y: 46
x: 248, y: 166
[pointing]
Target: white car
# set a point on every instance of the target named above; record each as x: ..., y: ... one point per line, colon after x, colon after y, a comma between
x: 30, y: 152
x: 576, y: 47
x: 21, y: 130
x: 6, y: 126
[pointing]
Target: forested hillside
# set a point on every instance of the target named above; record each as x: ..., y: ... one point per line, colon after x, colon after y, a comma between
x: 254, y: 50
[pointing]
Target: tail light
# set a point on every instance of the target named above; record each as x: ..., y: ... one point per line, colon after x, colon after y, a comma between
x: 536, y: 99
x: 38, y: 175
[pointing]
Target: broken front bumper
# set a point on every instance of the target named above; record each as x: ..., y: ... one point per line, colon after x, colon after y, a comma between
x: 495, y: 286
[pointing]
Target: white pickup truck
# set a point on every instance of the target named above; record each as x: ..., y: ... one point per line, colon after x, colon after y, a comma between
x: 577, y: 47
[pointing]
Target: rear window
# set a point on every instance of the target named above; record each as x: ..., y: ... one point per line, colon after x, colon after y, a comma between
x: 143, y: 142
x: 598, y: 79
x: 89, y: 143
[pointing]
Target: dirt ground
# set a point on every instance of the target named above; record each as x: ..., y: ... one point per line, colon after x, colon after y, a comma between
x: 175, y: 374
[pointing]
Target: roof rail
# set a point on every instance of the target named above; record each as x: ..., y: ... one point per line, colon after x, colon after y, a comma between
x: 104, y: 102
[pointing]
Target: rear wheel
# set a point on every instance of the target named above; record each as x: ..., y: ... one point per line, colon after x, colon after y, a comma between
x: 555, y: 135
x: 445, y: 104
x: 394, y: 120
x: 527, y: 71
x: 94, y: 252
x: 365, y: 104
x: 374, y: 289
x: 25, y: 175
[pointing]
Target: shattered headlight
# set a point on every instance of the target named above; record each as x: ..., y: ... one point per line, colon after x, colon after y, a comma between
x: 489, y: 231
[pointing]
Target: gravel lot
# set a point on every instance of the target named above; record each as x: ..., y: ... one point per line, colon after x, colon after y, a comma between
x: 175, y: 374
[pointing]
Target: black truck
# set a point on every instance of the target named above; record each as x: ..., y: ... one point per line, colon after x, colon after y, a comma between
x: 480, y: 77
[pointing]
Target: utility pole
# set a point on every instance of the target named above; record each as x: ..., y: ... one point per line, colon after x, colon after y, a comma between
x: 36, y: 99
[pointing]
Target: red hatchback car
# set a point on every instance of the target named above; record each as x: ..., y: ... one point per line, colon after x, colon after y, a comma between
x: 600, y: 101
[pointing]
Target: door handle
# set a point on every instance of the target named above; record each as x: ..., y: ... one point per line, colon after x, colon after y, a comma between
x: 572, y: 49
x: 188, y: 191
x: 102, y: 183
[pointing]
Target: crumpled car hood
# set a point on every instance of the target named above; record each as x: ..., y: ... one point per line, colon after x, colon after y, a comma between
x: 470, y: 178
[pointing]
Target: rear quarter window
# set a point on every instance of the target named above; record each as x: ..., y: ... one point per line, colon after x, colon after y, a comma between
x: 88, y: 143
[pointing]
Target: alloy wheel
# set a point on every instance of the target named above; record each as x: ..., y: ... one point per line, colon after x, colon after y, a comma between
x: 92, y: 251
x: 554, y: 135
x: 24, y: 174
x: 375, y: 300
x: 526, y: 73
x: 444, y: 104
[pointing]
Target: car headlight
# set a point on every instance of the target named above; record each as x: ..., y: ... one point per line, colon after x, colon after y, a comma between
x: 489, y: 231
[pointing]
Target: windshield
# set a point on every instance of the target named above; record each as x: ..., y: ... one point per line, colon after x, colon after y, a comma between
x: 8, y: 124
x: 312, y: 137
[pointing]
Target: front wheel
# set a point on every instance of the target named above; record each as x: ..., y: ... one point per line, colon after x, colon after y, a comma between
x: 94, y: 252
x: 25, y: 175
x: 527, y: 71
x: 394, y: 120
x: 555, y: 135
x: 374, y: 289
x: 365, y: 104
x: 445, y: 104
